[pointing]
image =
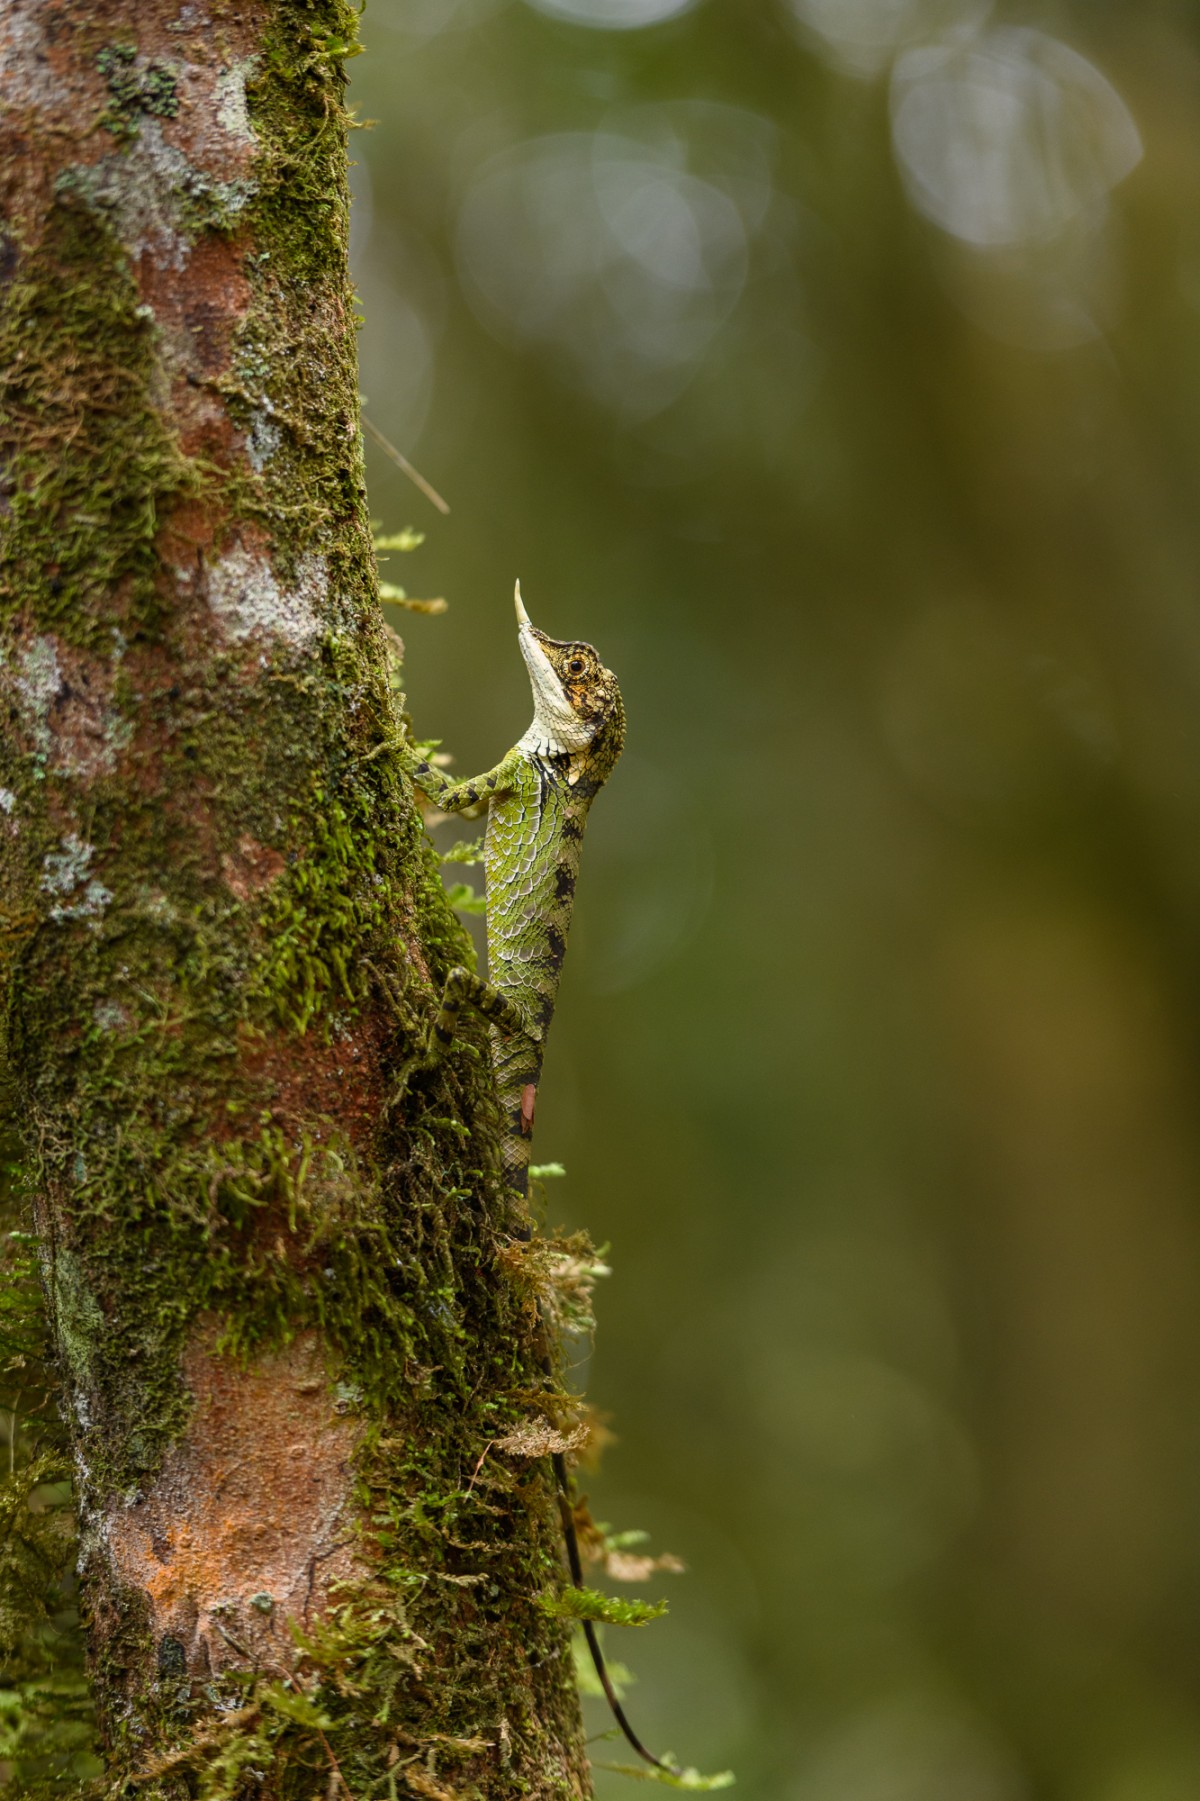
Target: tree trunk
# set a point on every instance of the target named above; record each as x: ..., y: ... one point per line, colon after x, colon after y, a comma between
x: 291, y: 1319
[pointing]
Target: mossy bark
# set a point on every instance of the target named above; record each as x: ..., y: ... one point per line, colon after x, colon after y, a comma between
x: 290, y: 1317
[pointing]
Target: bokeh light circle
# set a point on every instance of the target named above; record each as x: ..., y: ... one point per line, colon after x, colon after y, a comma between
x: 605, y: 249
x: 613, y: 15
x: 1008, y: 137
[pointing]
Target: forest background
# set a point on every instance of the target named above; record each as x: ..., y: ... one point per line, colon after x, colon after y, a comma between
x: 834, y: 366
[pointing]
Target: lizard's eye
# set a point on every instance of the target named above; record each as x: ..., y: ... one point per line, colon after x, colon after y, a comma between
x: 576, y: 666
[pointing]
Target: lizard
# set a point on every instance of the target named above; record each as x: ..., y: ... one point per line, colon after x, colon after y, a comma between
x: 537, y: 797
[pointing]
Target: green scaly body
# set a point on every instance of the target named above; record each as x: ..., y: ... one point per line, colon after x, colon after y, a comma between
x: 538, y: 799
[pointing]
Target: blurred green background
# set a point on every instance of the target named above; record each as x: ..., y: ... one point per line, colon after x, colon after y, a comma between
x: 834, y: 366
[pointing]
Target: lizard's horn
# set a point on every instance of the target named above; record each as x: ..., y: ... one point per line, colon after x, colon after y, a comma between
x: 522, y: 616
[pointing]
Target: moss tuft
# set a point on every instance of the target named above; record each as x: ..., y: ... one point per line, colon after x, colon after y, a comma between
x: 151, y: 90
x: 46, y: 1718
x: 608, y: 1610
x: 80, y: 528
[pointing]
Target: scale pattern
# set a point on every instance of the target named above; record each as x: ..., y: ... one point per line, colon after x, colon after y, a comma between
x: 531, y: 857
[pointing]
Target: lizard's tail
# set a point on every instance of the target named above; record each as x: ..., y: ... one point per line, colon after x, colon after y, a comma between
x: 518, y: 1066
x: 575, y: 1564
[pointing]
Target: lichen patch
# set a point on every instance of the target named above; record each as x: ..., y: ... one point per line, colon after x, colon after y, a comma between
x: 27, y: 75
x: 38, y: 683
x: 64, y: 703
x: 244, y: 1529
x: 232, y: 109
x: 141, y: 189
x: 263, y: 439
x: 248, y: 600
x: 66, y: 877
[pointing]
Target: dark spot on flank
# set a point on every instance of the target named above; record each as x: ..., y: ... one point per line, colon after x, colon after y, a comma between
x: 557, y: 944
x: 572, y: 827
x: 564, y: 881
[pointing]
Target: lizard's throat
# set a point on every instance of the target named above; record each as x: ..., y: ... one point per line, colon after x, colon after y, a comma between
x: 556, y: 729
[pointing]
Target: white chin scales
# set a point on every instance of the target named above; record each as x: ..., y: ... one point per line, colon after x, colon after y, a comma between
x: 557, y: 729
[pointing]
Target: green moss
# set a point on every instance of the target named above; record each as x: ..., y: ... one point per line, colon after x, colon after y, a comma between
x: 81, y: 527
x: 46, y: 1723
x: 327, y: 906
x: 609, y: 1610
x: 301, y: 329
x: 151, y: 90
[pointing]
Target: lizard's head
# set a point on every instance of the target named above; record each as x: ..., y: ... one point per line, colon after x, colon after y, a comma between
x: 576, y: 701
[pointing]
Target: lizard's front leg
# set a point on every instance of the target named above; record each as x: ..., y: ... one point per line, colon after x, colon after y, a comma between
x: 459, y: 797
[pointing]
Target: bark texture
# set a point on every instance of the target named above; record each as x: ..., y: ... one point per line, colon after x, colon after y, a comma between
x: 289, y: 1318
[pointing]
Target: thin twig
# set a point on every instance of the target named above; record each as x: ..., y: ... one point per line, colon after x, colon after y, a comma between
x: 475, y: 1472
x: 229, y: 1639
x: 334, y: 1764
x: 402, y: 462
